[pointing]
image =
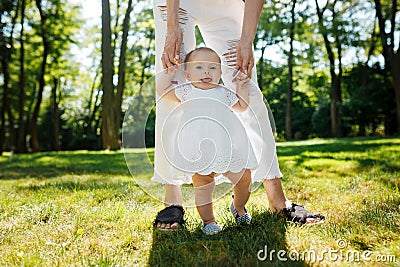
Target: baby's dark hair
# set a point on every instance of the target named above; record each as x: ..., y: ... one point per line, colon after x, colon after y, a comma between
x: 200, y: 49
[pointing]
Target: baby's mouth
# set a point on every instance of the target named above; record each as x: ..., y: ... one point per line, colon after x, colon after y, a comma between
x: 206, y: 80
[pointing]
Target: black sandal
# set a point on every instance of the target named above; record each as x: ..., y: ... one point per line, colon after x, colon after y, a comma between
x: 299, y: 215
x: 170, y: 215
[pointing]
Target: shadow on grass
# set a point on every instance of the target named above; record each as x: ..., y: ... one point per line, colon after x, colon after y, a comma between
x: 55, y: 164
x: 254, y: 245
x: 382, y: 154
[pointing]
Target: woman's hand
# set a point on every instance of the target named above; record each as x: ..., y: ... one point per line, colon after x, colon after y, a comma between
x: 244, y: 57
x: 172, y: 47
x: 244, y: 52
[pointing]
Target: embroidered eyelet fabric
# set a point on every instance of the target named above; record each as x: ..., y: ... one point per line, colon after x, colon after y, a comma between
x: 210, y: 137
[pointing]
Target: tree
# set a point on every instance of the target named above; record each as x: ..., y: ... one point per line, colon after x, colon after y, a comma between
x: 269, y: 32
x: 366, y: 106
x: 112, y: 100
x: 93, y: 106
x: 121, y: 69
x: 6, y: 49
x: 391, y: 57
x: 289, y: 96
x: 336, y: 78
x: 110, y: 141
x: 56, y: 115
x: 139, y: 96
x: 21, y: 142
x: 46, y: 50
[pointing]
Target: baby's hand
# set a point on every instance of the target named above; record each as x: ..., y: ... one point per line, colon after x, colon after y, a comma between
x: 242, y: 80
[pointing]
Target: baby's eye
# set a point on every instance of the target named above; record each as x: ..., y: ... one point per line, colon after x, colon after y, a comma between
x: 213, y: 68
x: 198, y: 67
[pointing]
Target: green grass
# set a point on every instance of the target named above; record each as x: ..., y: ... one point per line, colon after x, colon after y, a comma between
x: 85, y: 209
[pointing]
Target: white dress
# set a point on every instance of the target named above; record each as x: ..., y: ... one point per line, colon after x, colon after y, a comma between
x: 220, y: 23
x: 210, y: 136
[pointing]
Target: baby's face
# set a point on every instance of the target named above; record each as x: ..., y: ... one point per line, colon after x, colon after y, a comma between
x: 203, y: 70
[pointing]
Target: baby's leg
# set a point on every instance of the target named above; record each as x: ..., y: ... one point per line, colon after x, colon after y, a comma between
x: 241, y: 190
x: 204, y: 187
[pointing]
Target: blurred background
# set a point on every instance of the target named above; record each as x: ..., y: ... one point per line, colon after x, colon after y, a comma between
x: 327, y: 68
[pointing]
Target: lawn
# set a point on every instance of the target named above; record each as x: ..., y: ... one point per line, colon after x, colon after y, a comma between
x: 84, y: 208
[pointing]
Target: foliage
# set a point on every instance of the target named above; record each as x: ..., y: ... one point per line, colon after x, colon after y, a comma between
x: 302, y: 110
x: 368, y: 106
x: 321, y: 122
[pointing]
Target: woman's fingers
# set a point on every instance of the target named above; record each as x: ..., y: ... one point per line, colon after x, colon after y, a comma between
x: 247, y: 64
x: 244, y: 58
x: 166, y: 61
x: 172, y: 46
x: 177, y: 59
x: 173, y: 65
x: 250, y: 66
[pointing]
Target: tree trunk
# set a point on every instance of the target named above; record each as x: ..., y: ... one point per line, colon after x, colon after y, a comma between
x: 364, y: 81
x: 261, y: 69
x: 392, y: 58
x: 138, y: 113
x: 395, y: 66
x: 6, y: 77
x: 21, y: 143
x: 115, y: 30
x: 110, y: 141
x: 10, y: 116
x: 5, y: 107
x: 88, y: 129
x: 46, y: 48
x: 289, y: 96
x: 56, y: 116
x: 93, y: 116
x: 335, y: 93
x: 121, y: 70
x: 336, y: 121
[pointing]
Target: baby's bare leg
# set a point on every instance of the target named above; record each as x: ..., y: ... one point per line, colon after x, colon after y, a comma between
x: 241, y: 190
x: 204, y: 187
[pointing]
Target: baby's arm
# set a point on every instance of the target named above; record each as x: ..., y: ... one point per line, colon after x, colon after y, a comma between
x: 164, y: 86
x: 242, y: 92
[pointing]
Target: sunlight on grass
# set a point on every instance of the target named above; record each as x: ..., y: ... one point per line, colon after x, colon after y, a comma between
x: 84, y: 208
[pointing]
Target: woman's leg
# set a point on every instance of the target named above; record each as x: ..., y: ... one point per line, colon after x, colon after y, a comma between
x: 278, y: 202
x: 173, y: 194
x: 276, y: 197
x: 204, y: 187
